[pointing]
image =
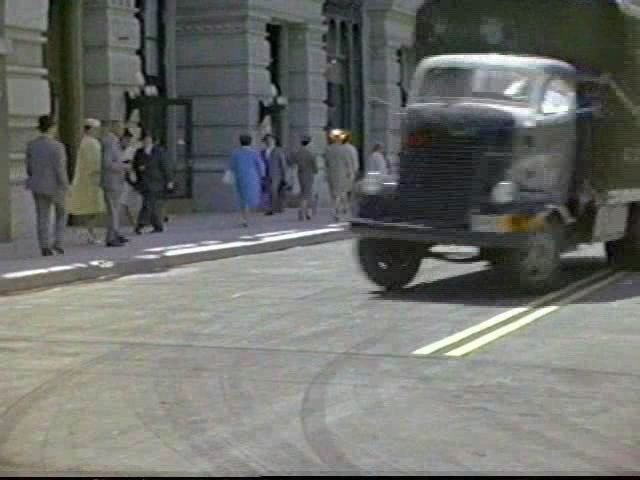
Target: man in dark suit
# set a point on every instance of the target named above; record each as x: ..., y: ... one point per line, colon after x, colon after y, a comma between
x: 155, y: 180
x: 48, y: 182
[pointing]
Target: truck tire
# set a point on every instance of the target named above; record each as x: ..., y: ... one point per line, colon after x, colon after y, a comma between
x: 536, y: 268
x: 388, y: 264
x: 625, y: 253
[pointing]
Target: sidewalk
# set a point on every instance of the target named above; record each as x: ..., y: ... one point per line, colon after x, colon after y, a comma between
x: 188, y: 239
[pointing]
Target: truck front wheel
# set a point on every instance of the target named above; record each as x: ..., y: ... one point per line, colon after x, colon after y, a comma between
x: 625, y: 253
x: 388, y: 264
x: 536, y: 267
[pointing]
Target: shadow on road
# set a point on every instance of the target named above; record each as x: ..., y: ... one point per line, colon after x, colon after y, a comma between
x: 487, y: 287
x: 624, y: 289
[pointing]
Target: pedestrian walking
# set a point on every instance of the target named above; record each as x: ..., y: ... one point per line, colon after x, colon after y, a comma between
x: 340, y: 172
x: 355, y: 161
x: 377, y: 161
x: 48, y: 181
x: 86, y: 200
x: 307, y: 167
x: 246, y: 170
x: 155, y: 178
x: 276, y: 162
x: 347, y: 140
x: 130, y: 202
x: 112, y: 182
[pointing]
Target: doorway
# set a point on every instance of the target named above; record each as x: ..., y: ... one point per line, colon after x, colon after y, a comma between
x: 155, y: 112
x: 276, y: 76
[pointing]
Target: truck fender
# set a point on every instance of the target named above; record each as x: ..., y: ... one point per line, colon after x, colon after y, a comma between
x: 559, y: 211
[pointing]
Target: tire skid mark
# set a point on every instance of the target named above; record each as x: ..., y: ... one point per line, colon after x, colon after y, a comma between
x: 608, y: 461
x: 45, y: 441
x: 616, y: 454
x: 21, y: 407
x: 167, y: 396
x: 293, y: 451
x: 313, y: 412
x: 217, y: 442
x: 148, y: 426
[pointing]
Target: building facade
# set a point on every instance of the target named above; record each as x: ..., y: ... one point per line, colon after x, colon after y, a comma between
x: 202, y: 72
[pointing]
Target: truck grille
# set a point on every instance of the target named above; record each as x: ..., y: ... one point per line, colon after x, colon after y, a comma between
x: 440, y: 177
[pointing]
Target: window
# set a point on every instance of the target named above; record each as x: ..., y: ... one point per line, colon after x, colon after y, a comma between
x: 343, y: 70
x: 150, y: 15
x: 559, y: 97
x: 478, y: 82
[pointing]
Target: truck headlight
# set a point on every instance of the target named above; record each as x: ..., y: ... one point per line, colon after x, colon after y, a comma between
x: 504, y: 192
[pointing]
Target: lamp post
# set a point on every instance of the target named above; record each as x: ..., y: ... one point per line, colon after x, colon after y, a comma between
x: 276, y: 104
x: 141, y: 99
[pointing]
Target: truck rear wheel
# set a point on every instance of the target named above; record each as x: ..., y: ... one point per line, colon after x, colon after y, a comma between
x: 536, y: 267
x: 625, y: 253
x: 386, y: 263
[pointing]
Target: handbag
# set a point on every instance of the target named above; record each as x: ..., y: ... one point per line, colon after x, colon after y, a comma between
x: 229, y: 178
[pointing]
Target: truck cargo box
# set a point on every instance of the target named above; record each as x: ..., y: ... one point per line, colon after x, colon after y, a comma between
x: 596, y: 36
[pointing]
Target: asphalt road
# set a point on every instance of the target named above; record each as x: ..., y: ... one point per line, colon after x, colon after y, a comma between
x: 292, y: 363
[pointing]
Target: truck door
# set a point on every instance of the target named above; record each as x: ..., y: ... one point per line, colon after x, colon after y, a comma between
x: 556, y: 141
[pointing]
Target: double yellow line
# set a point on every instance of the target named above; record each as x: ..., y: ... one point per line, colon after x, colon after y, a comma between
x: 467, y: 341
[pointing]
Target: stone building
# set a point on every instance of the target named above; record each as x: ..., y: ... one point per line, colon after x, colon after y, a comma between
x: 206, y: 70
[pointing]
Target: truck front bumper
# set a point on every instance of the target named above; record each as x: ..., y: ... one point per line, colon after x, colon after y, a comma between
x: 367, y: 228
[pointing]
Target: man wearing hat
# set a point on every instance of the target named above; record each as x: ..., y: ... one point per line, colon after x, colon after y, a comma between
x: 305, y: 160
x: 86, y: 197
x: 341, y: 172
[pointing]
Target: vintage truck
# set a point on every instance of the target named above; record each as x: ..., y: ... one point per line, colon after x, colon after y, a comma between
x: 523, y: 142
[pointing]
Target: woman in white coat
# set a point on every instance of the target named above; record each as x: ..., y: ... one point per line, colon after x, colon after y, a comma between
x: 85, y: 195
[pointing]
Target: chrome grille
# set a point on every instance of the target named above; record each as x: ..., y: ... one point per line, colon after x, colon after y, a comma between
x: 440, y: 178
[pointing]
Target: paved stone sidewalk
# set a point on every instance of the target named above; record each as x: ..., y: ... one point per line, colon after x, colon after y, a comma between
x: 189, y: 238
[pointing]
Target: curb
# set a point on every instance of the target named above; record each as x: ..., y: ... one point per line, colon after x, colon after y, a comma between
x: 144, y: 264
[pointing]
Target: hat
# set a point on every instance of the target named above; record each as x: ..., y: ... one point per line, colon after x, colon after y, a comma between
x: 337, y: 134
x: 92, y: 122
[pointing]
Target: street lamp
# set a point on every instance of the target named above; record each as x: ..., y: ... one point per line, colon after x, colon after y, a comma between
x: 276, y: 104
x: 137, y: 98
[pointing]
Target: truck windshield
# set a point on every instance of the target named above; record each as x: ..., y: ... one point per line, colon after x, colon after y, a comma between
x: 478, y: 82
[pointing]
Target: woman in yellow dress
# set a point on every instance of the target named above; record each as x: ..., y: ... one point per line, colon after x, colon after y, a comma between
x: 85, y: 196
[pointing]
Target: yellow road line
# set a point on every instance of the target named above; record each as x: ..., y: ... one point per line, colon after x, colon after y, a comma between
x: 532, y: 317
x: 504, y: 316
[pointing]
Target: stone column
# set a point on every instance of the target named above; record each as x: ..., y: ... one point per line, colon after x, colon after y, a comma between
x: 308, y: 92
x: 307, y: 84
x: 170, y: 61
x: 390, y: 26
x: 5, y: 171
x: 222, y: 57
x: 68, y: 20
x: 385, y: 97
x: 111, y: 39
x: 27, y: 95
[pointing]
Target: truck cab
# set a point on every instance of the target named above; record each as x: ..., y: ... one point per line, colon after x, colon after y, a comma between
x: 497, y: 153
